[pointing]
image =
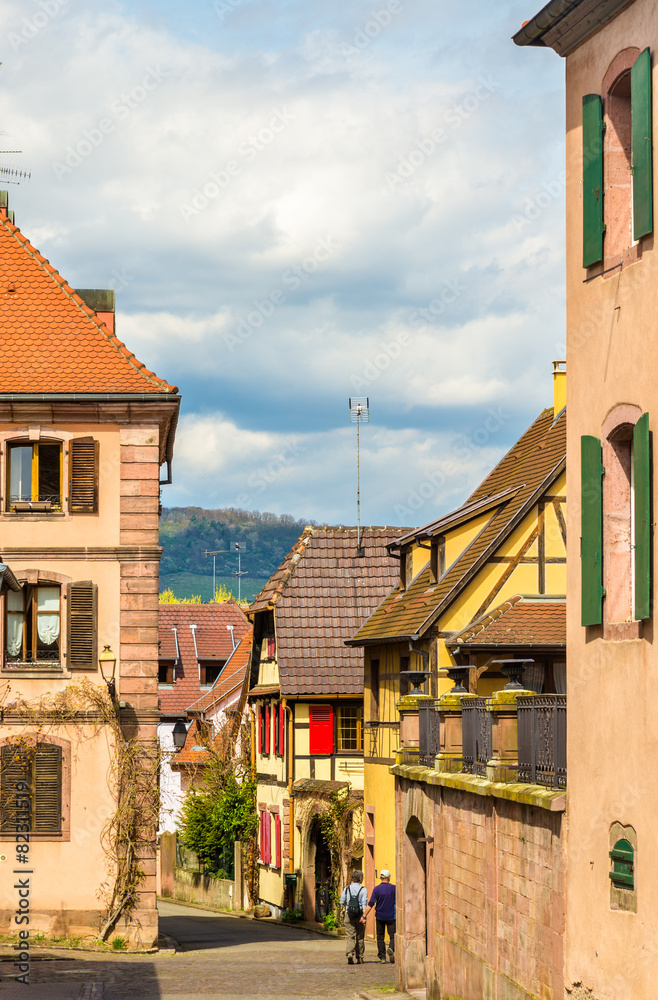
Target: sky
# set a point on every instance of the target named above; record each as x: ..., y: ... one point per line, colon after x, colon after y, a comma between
x: 298, y: 202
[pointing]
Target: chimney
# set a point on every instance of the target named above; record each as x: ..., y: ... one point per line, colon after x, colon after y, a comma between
x: 559, y: 386
x: 101, y: 300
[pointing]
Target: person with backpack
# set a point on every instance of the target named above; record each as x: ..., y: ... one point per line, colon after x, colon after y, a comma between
x: 355, y: 899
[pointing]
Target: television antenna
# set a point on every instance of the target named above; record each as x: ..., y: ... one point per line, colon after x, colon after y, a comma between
x: 238, y: 547
x: 359, y: 411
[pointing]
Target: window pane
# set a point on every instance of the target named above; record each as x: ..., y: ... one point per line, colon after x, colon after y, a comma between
x: 49, y: 472
x: 48, y: 599
x: 20, y: 474
x: 15, y: 600
x: 349, y: 728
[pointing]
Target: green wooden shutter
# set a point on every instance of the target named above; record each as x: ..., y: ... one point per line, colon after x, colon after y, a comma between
x: 591, y: 531
x: 593, y: 227
x: 83, y: 476
x: 642, y: 490
x: 81, y: 639
x: 641, y: 145
x: 47, y: 788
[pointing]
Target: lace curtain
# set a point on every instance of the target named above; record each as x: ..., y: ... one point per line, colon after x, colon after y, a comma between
x: 560, y: 676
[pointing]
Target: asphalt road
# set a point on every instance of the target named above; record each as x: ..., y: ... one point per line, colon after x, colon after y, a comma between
x: 223, y: 957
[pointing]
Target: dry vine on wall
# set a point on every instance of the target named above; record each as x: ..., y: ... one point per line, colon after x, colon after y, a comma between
x: 133, y: 781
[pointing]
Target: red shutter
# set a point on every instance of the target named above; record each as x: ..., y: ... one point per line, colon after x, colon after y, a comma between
x: 271, y: 648
x: 268, y: 838
x: 262, y: 835
x: 267, y: 729
x: 321, y: 729
x: 260, y: 729
x: 282, y: 730
x: 277, y: 839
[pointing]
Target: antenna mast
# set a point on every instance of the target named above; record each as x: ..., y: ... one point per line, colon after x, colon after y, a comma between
x: 359, y: 410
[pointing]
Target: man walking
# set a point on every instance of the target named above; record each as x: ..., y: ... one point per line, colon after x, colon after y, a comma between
x: 383, y: 898
x: 355, y: 899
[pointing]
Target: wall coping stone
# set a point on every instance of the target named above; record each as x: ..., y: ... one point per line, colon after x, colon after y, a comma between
x: 552, y: 799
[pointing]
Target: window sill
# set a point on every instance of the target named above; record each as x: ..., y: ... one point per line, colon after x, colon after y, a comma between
x: 166, y: 687
x: 64, y: 835
x: 35, y: 515
x: 28, y: 670
x: 621, y: 631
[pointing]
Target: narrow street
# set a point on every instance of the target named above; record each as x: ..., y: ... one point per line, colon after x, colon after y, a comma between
x: 223, y: 957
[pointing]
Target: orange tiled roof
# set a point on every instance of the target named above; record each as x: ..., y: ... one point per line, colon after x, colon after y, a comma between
x: 231, y: 679
x: 50, y: 340
x: 532, y: 464
x: 213, y: 642
x: 517, y: 622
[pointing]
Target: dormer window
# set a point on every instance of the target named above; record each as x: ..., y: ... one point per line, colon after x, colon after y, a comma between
x: 35, y: 477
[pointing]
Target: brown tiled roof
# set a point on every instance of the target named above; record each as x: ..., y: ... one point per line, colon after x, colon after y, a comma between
x: 321, y: 593
x: 213, y: 642
x: 194, y: 753
x: 232, y: 678
x: 461, y: 515
x: 50, y: 340
x: 534, y: 462
x: 517, y: 622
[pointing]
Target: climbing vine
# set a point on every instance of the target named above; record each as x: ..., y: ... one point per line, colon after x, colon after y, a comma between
x: 223, y: 811
x: 335, y: 823
x: 133, y: 781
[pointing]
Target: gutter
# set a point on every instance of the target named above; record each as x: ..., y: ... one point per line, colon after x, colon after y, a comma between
x: 568, y: 23
x: 8, y: 578
x: 89, y: 397
x: 532, y: 31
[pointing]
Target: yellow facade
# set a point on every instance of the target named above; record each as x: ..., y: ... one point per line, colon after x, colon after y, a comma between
x: 530, y: 561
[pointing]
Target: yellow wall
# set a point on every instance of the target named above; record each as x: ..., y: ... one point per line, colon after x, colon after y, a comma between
x: 379, y: 785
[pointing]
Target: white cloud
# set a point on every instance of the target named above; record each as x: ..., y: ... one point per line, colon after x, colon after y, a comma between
x: 199, y: 167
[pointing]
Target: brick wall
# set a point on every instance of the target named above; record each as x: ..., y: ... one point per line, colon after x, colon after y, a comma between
x: 492, y: 887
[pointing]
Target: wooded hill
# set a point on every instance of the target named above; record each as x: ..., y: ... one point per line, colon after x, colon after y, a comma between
x: 187, y: 532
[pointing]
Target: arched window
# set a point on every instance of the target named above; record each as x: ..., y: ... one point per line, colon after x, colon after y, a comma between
x: 623, y: 868
x: 616, y: 524
x: 617, y: 192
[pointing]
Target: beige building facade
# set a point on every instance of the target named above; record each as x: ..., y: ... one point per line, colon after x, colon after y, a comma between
x: 610, y: 49
x: 84, y: 432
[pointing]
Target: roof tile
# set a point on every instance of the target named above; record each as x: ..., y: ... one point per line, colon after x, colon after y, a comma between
x: 50, y: 340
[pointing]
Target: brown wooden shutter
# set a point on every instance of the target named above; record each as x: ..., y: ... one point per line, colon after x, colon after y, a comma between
x: 81, y: 640
x: 12, y: 771
x: 83, y: 476
x: 47, y: 788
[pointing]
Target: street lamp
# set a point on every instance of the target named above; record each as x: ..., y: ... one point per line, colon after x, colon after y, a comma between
x: 107, y: 661
x: 179, y: 734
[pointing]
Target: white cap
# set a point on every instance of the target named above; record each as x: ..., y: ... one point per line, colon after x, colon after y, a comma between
x: 384, y: 873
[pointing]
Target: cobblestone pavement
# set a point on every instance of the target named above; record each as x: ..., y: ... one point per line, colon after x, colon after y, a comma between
x: 224, y: 957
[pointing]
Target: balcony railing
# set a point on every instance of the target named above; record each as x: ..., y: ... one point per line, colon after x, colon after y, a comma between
x: 476, y: 736
x: 543, y: 739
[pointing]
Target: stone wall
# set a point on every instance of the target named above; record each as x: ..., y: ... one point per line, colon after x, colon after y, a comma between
x: 481, y: 905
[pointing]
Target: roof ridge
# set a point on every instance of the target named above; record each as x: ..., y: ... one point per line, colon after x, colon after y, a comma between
x: 63, y: 285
